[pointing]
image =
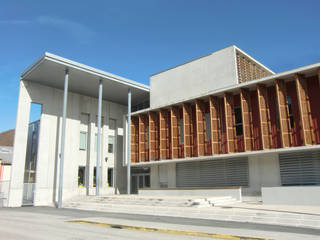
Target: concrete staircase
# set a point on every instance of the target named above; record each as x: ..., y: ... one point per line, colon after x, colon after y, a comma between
x: 105, y: 203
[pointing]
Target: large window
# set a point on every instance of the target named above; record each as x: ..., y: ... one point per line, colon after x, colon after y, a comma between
x: 81, y: 176
x: 238, y: 118
x: 110, y: 144
x: 110, y: 177
x: 83, y: 141
x: 290, y: 112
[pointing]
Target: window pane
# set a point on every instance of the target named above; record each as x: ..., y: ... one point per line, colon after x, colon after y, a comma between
x: 208, y: 127
x: 181, y: 131
x: 147, y: 180
x: 81, y: 176
x: 110, y: 144
x: 110, y: 177
x: 83, y: 141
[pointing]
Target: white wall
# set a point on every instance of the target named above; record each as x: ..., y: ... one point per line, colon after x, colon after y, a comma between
x: 192, y: 79
x: 264, y: 171
x: 293, y: 195
x: 49, y: 142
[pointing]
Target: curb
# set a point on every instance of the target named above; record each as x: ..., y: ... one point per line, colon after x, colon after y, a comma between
x: 169, y: 231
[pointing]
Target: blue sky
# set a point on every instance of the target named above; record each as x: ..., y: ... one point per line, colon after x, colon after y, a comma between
x: 137, y: 38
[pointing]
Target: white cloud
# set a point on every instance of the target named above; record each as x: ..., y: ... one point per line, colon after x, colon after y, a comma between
x: 76, y: 29
x: 15, y: 22
x: 79, y: 31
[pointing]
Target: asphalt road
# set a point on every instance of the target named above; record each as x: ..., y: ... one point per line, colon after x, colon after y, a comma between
x: 51, y: 223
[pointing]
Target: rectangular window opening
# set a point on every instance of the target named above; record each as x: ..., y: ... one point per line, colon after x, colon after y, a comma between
x: 110, y: 177
x: 238, y: 118
x: 83, y: 141
x: 81, y: 176
x: 110, y: 144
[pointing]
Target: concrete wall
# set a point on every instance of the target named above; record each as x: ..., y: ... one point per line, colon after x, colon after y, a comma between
x: 197, y: 77
x: 49, y: 142
x: 264, y: 171
x: 295, y: 195
x: 6, y: 173
x: 232, y: 192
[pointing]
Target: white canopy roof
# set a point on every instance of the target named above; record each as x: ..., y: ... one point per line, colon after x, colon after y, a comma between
x: 49, y: 70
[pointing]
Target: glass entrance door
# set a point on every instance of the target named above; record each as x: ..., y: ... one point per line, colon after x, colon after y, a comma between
x: 139, y: 181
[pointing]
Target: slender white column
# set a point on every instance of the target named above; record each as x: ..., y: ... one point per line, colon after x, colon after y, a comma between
x: 129, y: 144
x: 99, y: 139
x: 63, y: 136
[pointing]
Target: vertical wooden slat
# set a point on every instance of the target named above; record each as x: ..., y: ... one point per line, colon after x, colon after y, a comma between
x: 281, y: 90
x: 174, y: 112
x: 187, y: 129
x: 230, y: 123
x: 264, y: 113
x: 215, y: 125
x: 134, y: 139
x: 153, y: 135
x: 164, y: 141
x: 200, y: 123
x: 143, y: 153
x: 305, y: 110
x: 246, y: 119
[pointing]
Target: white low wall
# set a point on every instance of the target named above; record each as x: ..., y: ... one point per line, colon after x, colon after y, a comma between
x: 207, y: 192
x: 295, y: 195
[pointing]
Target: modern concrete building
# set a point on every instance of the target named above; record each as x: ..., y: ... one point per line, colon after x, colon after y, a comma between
x: 225, y: 120
x: 222, y: 121
x: 95, y: 103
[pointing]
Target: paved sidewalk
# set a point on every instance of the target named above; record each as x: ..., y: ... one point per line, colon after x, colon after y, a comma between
x: 296, y: 216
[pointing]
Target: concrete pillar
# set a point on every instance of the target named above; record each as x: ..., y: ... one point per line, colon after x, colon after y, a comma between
x: 98, y: 169
x: 187, y: 129
x: 305, y: 110
x: 283, y: 113
x: 264, y: 113
x: 171, y: 175
x: 63, y: 136
x: 154, y: 135
x: 230, y: 123
x: 20, y: 147
x: 201, y: 131
x: 92, y: 151
x: 174, y: 112
x: 246, y: 119
x: 215, y: 125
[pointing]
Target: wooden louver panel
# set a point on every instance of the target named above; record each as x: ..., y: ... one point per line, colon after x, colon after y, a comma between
x: 143, y: 151
x: 134, y: 139
x: 246, y: 119
x: 154, y: 135
x: 200, y: 123
x: 305, y: 110
x: 174, y: 132
x: 164, y: 118
x: 230, y: 122
x: 264, y: 113
x: 283, y: 113
x: 187, y: 122
x: 215, y: 125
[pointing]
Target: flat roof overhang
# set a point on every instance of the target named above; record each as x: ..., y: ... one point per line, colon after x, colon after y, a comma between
x: 306, y: 71
x: 49, y: 70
